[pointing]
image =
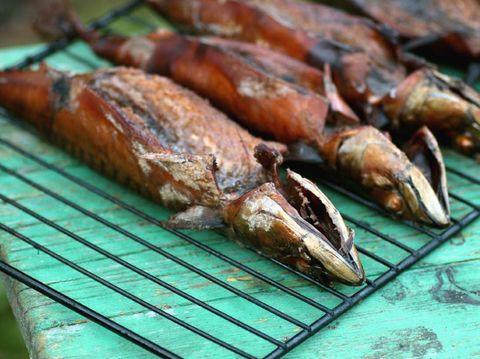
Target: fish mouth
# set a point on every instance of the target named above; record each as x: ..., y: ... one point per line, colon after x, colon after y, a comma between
x: 414, y: 194
x: 426, y: 186
x: 421, y: 200
x: 410, y: 195
x: 327, y: 227
x: 299, y: 226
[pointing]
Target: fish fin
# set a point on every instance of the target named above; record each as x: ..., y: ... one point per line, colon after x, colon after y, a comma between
x: 201, y: 183
x: 340, y: 112
x: 270, y: 159
x: 280, y: 147
x: 423, y: 150
x: 196, y: 217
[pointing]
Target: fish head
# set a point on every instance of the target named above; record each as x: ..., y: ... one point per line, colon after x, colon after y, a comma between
x: 306, y: 232
x: 411, y: 185
x: 447, y: 106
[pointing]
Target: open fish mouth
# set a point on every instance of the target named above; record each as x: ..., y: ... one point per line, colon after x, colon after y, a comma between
x: 422, y: 201
x: 426, y: 185
x: 316, y: 209
x: 299, y: 226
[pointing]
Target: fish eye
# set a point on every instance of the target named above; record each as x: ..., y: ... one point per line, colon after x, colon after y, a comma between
x: 395, y: 203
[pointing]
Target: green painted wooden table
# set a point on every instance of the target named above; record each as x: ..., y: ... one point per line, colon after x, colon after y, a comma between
x: 431, y: 310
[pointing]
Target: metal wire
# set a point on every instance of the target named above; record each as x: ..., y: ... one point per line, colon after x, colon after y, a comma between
x: 281, y: 346
x: 85, y: 311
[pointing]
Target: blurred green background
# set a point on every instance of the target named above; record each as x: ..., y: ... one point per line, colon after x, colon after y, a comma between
x: 16, y: 17
x: 11, y: 342
x: 15, y: 26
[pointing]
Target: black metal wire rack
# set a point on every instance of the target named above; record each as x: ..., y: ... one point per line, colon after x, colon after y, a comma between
x: 281, y: 347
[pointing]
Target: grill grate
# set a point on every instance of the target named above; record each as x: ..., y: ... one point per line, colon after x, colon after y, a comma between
x: 345, y: 298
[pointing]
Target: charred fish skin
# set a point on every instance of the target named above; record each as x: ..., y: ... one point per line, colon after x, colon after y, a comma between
x: 292, y: 71
x: 244, y: 90
x: 177, y: 148
x: 368, y: 66
x: 237, y: 20
x: 450, y: 25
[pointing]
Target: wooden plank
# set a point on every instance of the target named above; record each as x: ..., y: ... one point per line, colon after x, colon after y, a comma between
x: 430, y: 312
x: 408, y: 316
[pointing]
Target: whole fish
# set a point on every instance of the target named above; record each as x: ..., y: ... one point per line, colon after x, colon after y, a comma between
x: 179, y: 151
x: 287, y: 100
x: 389, y: 87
